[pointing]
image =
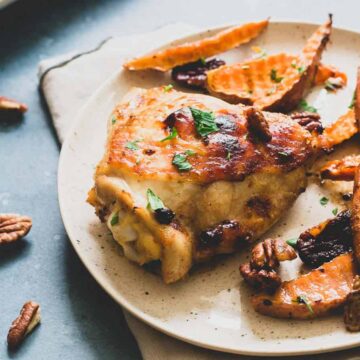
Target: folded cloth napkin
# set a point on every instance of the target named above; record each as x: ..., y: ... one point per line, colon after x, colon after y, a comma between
x: 67, y: 82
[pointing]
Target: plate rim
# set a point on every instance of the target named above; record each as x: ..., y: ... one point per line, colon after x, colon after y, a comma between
x: 117, y: 297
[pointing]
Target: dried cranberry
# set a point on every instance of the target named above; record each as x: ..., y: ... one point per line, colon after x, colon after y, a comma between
x: 193, y: 75
x: 164, y: 216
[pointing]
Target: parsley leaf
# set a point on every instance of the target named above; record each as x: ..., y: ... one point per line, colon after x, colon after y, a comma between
x: 132, y: 145
x: 169, y: 87
x: 180, y: 161
x: 113, y: 120
x: 115, y: 219
x: 305, y: 106
x: 292, y: 242
x: 203, y: 61
x: 173, y: 135
x: 300, y: 69
x: 303, y: 300
x: 335, y: 211
x: 204, y: 122
x: 324, y: 200
x: 154, y: 202
x: 352, y: 104
x: 274, y: 77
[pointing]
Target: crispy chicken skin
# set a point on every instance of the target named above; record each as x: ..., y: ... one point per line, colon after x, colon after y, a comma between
x: 237, y: 187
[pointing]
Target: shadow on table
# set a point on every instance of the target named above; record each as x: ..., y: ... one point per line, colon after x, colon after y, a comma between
x: 96, y: 315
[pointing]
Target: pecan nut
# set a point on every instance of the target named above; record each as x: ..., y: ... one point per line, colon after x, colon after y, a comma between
x: 28, y: 319
x: 309, y: 120
x: 13, y: 227
x: 260, y: 272
x: 11, y: 105
x: 257, y: 124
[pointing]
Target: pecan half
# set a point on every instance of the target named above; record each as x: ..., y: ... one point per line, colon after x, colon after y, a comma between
x: 13, y: 227
x: 260, y: 272
x: 352, y: 308
x: 308, y: 120
x: 11, y: 105
x: 27, y: 320
x: 257, y: 124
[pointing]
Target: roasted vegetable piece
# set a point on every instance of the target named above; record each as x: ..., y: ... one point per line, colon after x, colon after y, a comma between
x: 275, y: 83
x: 355, y: 214
x: 330, y: 73
x: 343, y: 169
x: 193, y: 75
x: 311, y: 295
x: 260, y: 273
x: 189, y: 52
x: 325, y: 241
x: 352, y: 308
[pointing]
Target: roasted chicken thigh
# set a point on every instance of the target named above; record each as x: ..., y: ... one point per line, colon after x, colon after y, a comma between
x: 188, y: 176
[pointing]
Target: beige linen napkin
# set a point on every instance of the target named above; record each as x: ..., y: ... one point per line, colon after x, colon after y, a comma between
x: 67, y: 82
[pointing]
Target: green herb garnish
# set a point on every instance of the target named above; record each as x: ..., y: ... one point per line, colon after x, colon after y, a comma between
x: 324, y: 200
x: 335, y: 211
x: 352, y: 104
x: 169, y: 87
x: 180, y: 160
x: 292, y: 242
x: 300, y: 69
x: 173, y: 135
x: 154, y: 202
x: 113, y: 120
x: 204, y: 122
x: 132, y: 145
x: 303, y: 300
x: 305, y: 106
x: 203, y: 61
x: 115, y: 219
x: 274, y: 77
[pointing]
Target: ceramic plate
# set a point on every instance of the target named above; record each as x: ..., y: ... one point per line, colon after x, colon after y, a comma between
x: 211, y: 308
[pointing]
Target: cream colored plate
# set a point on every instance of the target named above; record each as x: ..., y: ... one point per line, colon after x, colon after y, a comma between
x: 211, y: 308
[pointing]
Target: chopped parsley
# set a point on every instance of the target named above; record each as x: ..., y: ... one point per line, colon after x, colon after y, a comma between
x: 115, y: 219
x: 352, y: 104
x: 132, y: 145
x: 181, y: 162
x: 300, y: 69
x: 169, y: 87
x: 204, y: 122
x: 173, y: 135
x: 324, y: 200
x: 292, y: 242
x: 113, y: 120
x: 303, y: 300
x: 203, y: 61
x: 335, y: 211
x: 274, y: 77
x: 154, y: 202
x: 305, y: 106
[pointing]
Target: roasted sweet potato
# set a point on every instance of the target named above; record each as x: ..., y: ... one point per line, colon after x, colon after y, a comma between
x: 326, y: 72
x: 355, y: 214
x: 274, y: 83
x: 186, y: 53
x: 343, y: 169
x: 312, y: 295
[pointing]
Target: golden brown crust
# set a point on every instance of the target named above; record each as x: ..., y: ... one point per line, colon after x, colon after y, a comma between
x: 288, y: 149
x: 274, y: 83
x: 13, y: 227
x: 23, y: 324
x: 323, y: 289
x: 182, y: 54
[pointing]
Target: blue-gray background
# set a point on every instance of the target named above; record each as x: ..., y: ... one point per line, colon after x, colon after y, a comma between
x: 79, y: 320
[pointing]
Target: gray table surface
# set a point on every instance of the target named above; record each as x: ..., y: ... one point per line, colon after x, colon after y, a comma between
x: 80, y: 321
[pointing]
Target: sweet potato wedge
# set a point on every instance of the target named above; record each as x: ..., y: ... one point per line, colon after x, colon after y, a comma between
x: 326, y: 72
x: 355, y: 214
x: 189, y: 52
x: 273, y: 83
x: 312, y: 295
x: 343, y: 169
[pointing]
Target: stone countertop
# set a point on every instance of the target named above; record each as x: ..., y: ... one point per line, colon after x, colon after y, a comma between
x: 80, y: 321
